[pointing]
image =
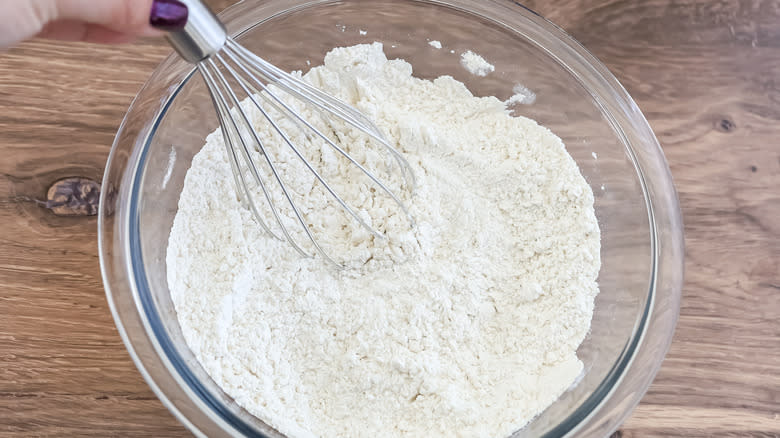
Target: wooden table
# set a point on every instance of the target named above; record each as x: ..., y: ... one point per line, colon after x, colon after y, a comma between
x: 706, y: 73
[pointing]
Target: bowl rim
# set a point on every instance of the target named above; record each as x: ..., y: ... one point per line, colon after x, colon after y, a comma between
x: 576, y: 421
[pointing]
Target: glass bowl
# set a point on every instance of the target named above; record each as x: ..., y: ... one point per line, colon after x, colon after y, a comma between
x: 577, y: 98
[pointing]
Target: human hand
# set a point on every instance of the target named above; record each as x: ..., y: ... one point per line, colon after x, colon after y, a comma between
x: 103, y: 21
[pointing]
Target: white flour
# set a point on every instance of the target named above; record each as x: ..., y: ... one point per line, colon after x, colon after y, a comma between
x: 522, y: 96
x: 466, y: 325
x: 476, y: 64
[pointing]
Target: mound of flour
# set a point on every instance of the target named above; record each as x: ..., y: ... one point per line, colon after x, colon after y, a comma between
x: 466, y: 325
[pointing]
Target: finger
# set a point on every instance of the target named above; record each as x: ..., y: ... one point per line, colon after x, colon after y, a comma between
x: 68, y: 30
x: 124, y: 16
x: 21, y: 20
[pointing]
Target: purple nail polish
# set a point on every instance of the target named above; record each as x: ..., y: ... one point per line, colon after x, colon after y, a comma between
x: 169, y: 15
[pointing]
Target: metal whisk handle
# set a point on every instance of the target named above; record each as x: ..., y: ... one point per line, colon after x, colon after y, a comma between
x: 202, y: 36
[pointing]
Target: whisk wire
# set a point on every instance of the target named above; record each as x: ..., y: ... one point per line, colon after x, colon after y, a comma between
x: 270, y: 162
x: 322, y: 101
x: 239, y: 138
x: 280, y: 104
x: 228, y: 126
x: 252, y: 96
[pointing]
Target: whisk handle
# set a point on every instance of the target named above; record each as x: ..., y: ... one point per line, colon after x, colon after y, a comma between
x: 202, y: 36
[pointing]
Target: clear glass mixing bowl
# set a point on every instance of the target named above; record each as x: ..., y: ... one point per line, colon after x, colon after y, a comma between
x: 636, y: 203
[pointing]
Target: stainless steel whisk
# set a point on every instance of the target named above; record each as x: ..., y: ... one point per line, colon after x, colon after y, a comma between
x: 220, y: 60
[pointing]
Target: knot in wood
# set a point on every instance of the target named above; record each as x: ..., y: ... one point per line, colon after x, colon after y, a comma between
x: 73, y: 197
x: 725, y: 125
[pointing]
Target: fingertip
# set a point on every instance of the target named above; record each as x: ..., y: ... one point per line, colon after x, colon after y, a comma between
x: 168, y: 15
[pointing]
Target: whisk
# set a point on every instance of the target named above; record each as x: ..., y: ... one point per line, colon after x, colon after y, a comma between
x: 221, y: 61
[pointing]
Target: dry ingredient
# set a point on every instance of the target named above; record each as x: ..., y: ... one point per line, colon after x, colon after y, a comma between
x: 522, y: 96
x: 476, y: 64
x: 466, y: 325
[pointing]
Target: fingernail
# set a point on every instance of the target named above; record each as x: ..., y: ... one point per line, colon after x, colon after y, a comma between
x: 169, y: 15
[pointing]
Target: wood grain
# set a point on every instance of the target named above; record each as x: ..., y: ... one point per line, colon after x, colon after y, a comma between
x: 706, y: 73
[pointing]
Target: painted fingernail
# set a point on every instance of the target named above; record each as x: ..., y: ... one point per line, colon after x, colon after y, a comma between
x: 169, y: 15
